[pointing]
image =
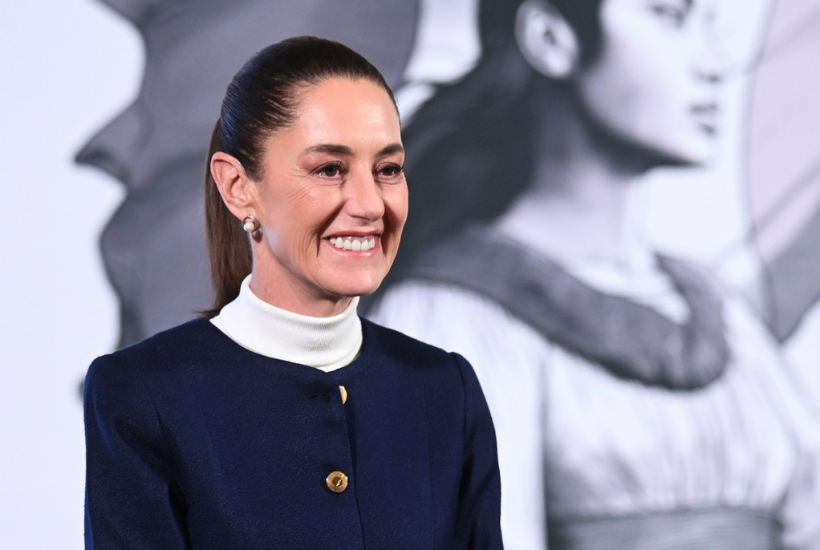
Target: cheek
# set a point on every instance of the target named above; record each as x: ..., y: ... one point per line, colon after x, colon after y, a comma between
x: 297, y: 217
x: 640, y: 89
x: 396, y: 208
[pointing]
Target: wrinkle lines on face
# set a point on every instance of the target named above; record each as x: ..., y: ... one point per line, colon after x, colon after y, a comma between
x: 336, y: 171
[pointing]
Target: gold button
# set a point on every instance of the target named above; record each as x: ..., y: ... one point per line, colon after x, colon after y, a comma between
x: 336, y: 482
x: 344, y: 394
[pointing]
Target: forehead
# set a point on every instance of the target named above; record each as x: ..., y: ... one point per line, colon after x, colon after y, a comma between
x: 344, y: 105
x: 329, y: 88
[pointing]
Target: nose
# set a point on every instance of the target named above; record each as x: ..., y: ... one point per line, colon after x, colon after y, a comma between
x: 363, y: 196
x: 712, y: 59
x: 712, y: 68
x: 114, y: 149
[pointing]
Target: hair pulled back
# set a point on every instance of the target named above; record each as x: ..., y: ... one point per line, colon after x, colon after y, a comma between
x: 261, y: 99
x: 470, y: 148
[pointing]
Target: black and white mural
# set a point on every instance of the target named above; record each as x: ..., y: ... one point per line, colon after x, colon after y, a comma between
x: 639, y: 400
x: 783, y: 179
x: 614, y: 215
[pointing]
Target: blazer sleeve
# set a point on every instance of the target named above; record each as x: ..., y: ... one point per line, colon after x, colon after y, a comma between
x: 130, y: 500
x: 479, y: 508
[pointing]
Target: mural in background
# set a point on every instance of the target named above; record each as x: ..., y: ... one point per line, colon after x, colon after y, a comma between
x: 154, y: 245
x: 784, y: 163
x: 637, y: 402
x: 784, y: 182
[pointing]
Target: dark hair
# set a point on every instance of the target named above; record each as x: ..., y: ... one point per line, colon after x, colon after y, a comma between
x: 261, y: 99
x: 462, y: 161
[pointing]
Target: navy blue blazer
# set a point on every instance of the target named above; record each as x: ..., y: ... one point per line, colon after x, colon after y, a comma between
x: 194, y: 442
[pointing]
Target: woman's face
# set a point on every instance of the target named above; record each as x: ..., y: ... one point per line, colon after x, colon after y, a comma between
x: 152, y: 247
x: 332, y: 201
x: 655, y: 81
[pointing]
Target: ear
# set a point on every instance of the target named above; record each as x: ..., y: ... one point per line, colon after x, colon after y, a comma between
x: 546, y: 40
x: 238, y: 191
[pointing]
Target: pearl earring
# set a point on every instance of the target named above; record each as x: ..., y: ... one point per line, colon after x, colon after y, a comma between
x: 249, y: 224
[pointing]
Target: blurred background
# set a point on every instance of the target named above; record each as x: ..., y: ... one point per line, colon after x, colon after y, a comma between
x: 107, y: 111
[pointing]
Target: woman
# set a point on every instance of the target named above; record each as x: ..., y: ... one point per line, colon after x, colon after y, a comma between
x: 637, y: 405
x: 285, y: 421
x: 151, y: 246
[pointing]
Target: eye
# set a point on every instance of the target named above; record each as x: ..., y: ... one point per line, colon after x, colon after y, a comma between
x: 672, y: 14
x: 389, y: 171
x: 331, y: 170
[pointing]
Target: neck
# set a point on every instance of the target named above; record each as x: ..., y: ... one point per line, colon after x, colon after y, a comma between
x: 275, y: 284
x: 576, y: 206
x: 327, y: 343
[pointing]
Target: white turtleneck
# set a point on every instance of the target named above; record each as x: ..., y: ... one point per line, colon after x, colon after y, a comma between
x: 326, y: 343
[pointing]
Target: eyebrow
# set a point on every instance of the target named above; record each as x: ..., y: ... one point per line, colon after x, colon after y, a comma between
x: 391, y: 149
x: 348, y: 152
x: 333, y: 149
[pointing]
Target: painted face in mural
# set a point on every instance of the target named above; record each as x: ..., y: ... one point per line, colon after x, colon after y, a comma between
x: 654, y: 82
x: 154, y: 245
x: 651, y: 81
x: 332, y: 200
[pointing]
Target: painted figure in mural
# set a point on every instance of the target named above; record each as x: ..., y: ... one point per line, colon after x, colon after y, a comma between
x: 153, y: 246
x: 637, y: 403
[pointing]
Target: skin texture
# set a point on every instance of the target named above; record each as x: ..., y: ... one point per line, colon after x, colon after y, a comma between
x: 335, y: 172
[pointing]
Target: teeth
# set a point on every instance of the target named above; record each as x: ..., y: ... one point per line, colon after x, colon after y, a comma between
x: 351, y: 243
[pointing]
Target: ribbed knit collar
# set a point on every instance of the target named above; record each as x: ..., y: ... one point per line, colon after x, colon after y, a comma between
x: 326, y: 343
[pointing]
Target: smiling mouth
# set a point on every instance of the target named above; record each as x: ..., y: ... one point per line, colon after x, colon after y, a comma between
x: 355, y: 244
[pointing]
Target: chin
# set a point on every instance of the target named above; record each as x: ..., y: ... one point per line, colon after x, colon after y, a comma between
x: 361, y: 285
x: 693, y: 152
x: 691, y: 157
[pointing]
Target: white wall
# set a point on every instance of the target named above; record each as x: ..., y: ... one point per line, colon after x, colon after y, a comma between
x: 66, y: 67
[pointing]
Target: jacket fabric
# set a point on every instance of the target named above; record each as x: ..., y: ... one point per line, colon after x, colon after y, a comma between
x: 194, y: 442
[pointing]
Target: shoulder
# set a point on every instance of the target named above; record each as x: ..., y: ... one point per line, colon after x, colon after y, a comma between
x: 403, y: 348
x: 132, y: 368
x: 421, y: 302
x: 505, y: 353
x: 449, y: 379
x: 422, y: 296
x: 193, y: 341
x: 175, y: 343
x: 435, y: 362
x: 454, y: 318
